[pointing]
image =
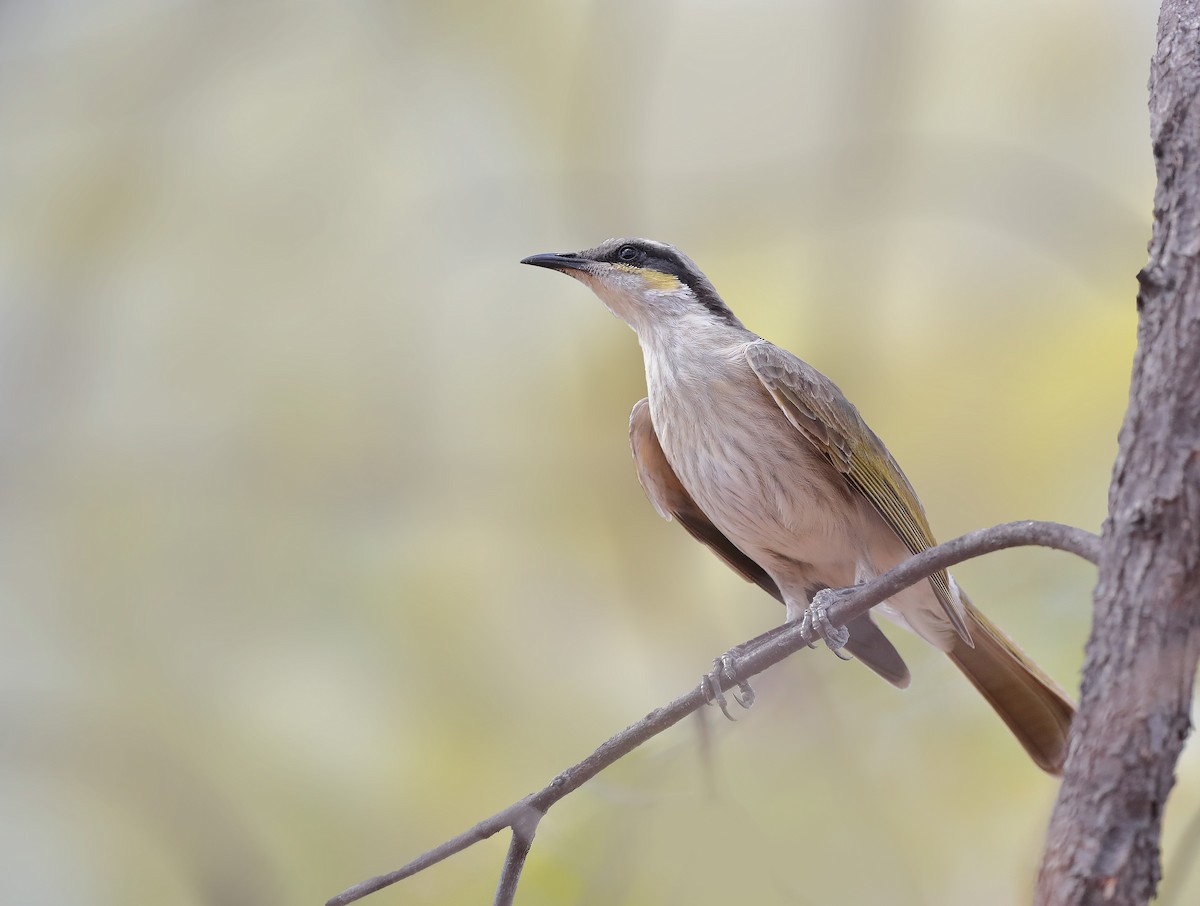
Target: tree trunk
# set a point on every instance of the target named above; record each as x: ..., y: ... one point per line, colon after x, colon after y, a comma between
x: 1140, y: 664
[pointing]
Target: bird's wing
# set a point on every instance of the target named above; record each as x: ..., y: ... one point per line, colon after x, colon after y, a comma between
x: 672, y: 500
x: 827, y: 420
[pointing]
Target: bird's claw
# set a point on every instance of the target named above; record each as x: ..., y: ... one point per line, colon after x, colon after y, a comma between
x: 816, y: 621
x: 711, y: 684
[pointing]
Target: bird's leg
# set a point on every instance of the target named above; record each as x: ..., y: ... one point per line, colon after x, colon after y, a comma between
x: 724, y: 666
x: 816, y: 620
x: 711, y: 683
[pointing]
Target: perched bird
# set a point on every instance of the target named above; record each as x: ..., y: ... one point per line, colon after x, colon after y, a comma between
x: 760, y: 457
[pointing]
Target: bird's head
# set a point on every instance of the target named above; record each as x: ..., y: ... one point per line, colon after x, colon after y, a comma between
x: 649, y: 285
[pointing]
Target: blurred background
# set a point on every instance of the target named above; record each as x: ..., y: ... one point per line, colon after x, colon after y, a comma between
x: 321, y: 539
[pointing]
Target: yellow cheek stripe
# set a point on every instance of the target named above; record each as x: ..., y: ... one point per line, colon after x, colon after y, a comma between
x: 655, y: 280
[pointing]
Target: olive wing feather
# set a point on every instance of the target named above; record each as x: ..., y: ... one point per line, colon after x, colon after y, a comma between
x: 826, y: 419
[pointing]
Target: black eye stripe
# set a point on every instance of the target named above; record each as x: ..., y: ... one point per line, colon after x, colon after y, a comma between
x: 667, y: 260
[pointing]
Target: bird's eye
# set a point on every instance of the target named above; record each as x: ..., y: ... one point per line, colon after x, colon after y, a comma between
x: 629, y: 253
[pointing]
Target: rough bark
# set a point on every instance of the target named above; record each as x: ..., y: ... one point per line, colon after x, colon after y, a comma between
x: 1140, y: 663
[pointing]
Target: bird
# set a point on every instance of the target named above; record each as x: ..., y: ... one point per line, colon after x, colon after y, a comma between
x: 761, y: 458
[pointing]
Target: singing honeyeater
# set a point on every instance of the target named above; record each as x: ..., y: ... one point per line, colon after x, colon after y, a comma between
x: 760, y: 456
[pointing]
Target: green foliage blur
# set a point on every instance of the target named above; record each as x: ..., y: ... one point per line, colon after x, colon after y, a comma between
x: 321, y: 539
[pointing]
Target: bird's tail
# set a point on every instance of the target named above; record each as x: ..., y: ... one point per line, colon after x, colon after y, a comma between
x: 1036, y: 710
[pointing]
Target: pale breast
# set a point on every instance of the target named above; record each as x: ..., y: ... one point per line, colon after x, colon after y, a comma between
x: 751, y: 472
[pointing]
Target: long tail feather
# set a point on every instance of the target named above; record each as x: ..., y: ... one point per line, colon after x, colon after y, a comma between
x: 1036, y: 710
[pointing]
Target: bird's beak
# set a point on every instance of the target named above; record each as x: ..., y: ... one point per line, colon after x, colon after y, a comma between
x: 564, y: 262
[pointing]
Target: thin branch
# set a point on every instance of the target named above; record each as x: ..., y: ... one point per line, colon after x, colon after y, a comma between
x: 524, y: 815
x: 518, y: 849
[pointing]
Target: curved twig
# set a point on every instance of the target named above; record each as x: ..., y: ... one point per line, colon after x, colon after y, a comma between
x: 523, y: 816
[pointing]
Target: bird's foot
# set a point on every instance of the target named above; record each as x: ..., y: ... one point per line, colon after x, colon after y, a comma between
x: 816, y: 622
x: 713, y: 682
